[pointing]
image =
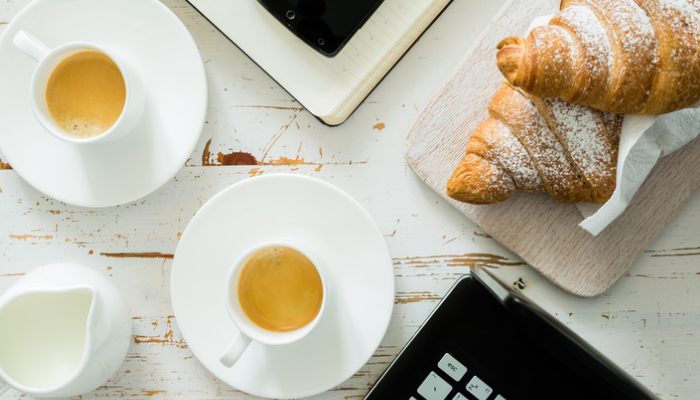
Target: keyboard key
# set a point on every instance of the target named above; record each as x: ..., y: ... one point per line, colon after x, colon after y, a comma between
x: 499, y: 397
x: 478, y: 388
x: 452, y: 367
x: 434, y: 387
x: 460, y: 396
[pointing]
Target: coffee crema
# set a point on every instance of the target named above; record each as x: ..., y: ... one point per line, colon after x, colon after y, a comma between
x: 279, y: 289
x: 86, y: 94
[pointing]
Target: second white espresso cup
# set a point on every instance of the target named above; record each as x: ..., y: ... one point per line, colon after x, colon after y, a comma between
x: 48, y: 59
x: 248, y: 330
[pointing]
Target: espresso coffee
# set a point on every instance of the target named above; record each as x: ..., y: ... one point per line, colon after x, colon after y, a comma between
x: 280, y: 289
x: 86, y: 93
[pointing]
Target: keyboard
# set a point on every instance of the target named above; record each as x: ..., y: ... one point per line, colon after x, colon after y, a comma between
x: 454, y: 379
x: 489, y: 342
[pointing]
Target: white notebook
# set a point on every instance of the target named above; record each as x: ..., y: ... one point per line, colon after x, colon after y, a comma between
x: 329, y: 88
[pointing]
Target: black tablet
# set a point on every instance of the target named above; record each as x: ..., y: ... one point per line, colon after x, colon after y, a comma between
x: 485, y: 341
x: 325, y: 25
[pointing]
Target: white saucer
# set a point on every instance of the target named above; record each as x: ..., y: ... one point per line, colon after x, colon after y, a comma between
x: 159, y: 46
x: 309, y: 213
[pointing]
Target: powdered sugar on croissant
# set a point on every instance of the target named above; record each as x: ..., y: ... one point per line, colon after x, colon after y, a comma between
x: 537, y: 145
x: 619, y: 56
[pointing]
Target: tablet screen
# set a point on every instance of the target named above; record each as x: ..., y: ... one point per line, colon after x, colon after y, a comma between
x: 325, y: 25
x: 491, y: 343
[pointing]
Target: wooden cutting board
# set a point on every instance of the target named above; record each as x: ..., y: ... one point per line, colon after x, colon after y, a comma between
x: 544, y: 233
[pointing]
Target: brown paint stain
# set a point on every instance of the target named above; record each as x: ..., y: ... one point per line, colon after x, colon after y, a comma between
x: 25, y: 237
x: 677, y: 255
x: 206, y: 154
x: 379, y: 126
x: 483, y: 235
x: 255, y: 172
x: 165, y: 339
x: 153, y: 254
x: 482, y: 259
x: 4, y: 165
x: 15, y: 274
x: 466, y: 260
x: 300, y: 161
x: 237, y: 158
x: 297, y: 109
x: 279, y: 134
x: 243, y: 158
x: 605, y: 316
x: 288, y: 161
x: 407, y: 298
x: 449, y: 241
x: 686, y: 248
x: 357, y: 396
x: 119, y: 236
x: 150, y: 393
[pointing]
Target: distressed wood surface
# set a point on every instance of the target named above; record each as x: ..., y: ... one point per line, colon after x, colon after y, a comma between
x: 647, y: 323
x: 543, y: 232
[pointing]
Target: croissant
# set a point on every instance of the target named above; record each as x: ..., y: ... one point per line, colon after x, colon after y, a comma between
x: 619, y: 56
x: 538, y: 145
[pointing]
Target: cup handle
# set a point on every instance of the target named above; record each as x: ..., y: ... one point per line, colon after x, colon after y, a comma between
x: 235, y: 350
x: 30, y: 45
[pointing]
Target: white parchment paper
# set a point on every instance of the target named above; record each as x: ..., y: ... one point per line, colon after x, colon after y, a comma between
x: 643, y: 141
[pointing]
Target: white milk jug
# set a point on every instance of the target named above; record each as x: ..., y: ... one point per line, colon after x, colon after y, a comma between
x: 64, y: 331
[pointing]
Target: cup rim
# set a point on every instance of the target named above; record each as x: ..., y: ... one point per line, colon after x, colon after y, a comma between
x: 56, y: 389
x: 248, y: 327
x: 45, y: 118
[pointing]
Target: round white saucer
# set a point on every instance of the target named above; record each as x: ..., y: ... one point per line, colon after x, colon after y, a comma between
x: 157, y: 44
x: 311, y: 214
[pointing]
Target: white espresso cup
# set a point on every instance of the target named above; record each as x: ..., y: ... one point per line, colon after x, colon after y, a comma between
x: 249, y: 331
x: 48, y: 59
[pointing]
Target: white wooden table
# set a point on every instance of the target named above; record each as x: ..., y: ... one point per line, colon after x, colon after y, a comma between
x: 649, y: 323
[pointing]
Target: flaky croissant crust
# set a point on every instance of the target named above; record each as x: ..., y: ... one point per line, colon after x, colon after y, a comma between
x: 538, y: 145
x: 619, y: 56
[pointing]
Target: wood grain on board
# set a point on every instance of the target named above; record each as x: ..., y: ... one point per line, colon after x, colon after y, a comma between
x: 544, y: 233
